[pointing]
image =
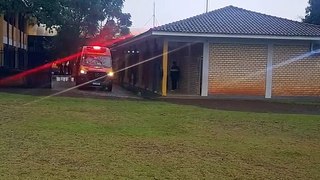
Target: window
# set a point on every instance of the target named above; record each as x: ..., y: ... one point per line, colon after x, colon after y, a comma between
x: 21, y: 23
x: 97, y: 60
x: 6, y: 17
x: 315, y: 47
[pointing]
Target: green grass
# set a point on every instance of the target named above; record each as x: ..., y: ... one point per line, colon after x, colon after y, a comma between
x: 69, y: 138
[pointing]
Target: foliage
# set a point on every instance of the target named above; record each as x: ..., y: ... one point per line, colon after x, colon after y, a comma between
x: 74, y: 19
x: 113, y: 29
x: 12, y: 6
x: 313, y: 12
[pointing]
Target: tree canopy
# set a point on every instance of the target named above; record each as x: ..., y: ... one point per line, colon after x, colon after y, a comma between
x: 85, y: 14
x: 313, y: 12
x: 73, y: 19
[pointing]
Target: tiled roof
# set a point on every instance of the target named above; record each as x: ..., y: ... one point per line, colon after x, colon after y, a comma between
x: 236, y: 21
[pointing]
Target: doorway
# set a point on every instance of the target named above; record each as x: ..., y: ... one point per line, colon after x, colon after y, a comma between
x: 188, y: 58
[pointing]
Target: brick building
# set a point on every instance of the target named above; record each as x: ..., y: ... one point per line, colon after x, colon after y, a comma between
x: 13, y: 41
x: 21, y: 46
x: 229, y: 51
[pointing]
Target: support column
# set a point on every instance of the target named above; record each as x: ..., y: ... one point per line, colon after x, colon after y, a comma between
x: 15, y: 41
x: 126, y: 80
x: 25, y: 34
x: 140, y: 70
x: 205, y: 70
x: 1, y: 41
x: 25, y: 47
x: 269, y: 72
x: 10, y: 35
x: 165, y: 68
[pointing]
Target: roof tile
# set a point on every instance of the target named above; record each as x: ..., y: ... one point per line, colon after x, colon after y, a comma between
x: 238, y: 21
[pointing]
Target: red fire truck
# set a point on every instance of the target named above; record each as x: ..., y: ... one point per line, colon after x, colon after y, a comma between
x: 94, y: 68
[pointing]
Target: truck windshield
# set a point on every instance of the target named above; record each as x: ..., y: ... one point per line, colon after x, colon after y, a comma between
x: 94, y: 60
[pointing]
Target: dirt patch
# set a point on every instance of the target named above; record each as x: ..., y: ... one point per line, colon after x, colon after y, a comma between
x: 261, y: 106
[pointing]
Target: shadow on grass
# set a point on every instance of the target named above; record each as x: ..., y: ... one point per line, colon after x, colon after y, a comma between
x: 259, y: 106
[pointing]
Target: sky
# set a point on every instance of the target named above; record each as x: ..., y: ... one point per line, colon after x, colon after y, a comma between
x: 173, y: 10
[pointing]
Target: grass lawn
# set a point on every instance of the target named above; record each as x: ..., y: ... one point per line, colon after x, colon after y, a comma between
x: 70, y: 138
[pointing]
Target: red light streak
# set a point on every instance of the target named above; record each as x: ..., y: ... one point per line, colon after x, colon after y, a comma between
x: 19, y: 76
x: 13, y: 78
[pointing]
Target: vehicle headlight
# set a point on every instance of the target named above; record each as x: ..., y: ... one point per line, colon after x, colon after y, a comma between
x: 83, y: 71
x: 110, y: 74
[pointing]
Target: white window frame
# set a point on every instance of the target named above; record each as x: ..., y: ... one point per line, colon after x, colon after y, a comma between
x: 313, y: 45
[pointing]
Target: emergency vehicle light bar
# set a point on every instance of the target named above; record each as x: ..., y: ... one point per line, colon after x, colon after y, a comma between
x: 96, y: 47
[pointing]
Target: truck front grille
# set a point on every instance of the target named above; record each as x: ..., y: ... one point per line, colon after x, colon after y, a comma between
x: 95, y: 75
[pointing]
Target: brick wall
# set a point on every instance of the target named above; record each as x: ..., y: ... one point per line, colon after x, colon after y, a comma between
x: 182, y: 62
x: 190, y: 70
x: 300, y: 78
x: 237, y: 69
x: 194, y: 76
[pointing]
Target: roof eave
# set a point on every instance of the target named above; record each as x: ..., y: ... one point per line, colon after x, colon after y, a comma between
x: 132, y: 40
x: 206, y: 35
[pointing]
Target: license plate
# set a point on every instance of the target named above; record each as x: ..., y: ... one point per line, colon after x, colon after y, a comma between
x: 96, y: 84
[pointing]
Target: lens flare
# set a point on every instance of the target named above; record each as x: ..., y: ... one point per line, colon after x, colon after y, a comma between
x: 8, y: 80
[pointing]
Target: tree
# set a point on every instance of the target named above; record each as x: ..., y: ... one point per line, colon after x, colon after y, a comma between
x: 124, y: 23
x: 73, y: 19
x: 10, y: 6
x: 313, y: 12
x: 113, y: 28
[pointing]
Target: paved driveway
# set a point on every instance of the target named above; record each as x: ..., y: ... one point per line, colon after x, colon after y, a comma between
x: 117, y: 92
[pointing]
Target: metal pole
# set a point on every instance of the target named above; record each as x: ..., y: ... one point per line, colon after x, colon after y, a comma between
x: 207, y: 6
x: 154, y: 14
